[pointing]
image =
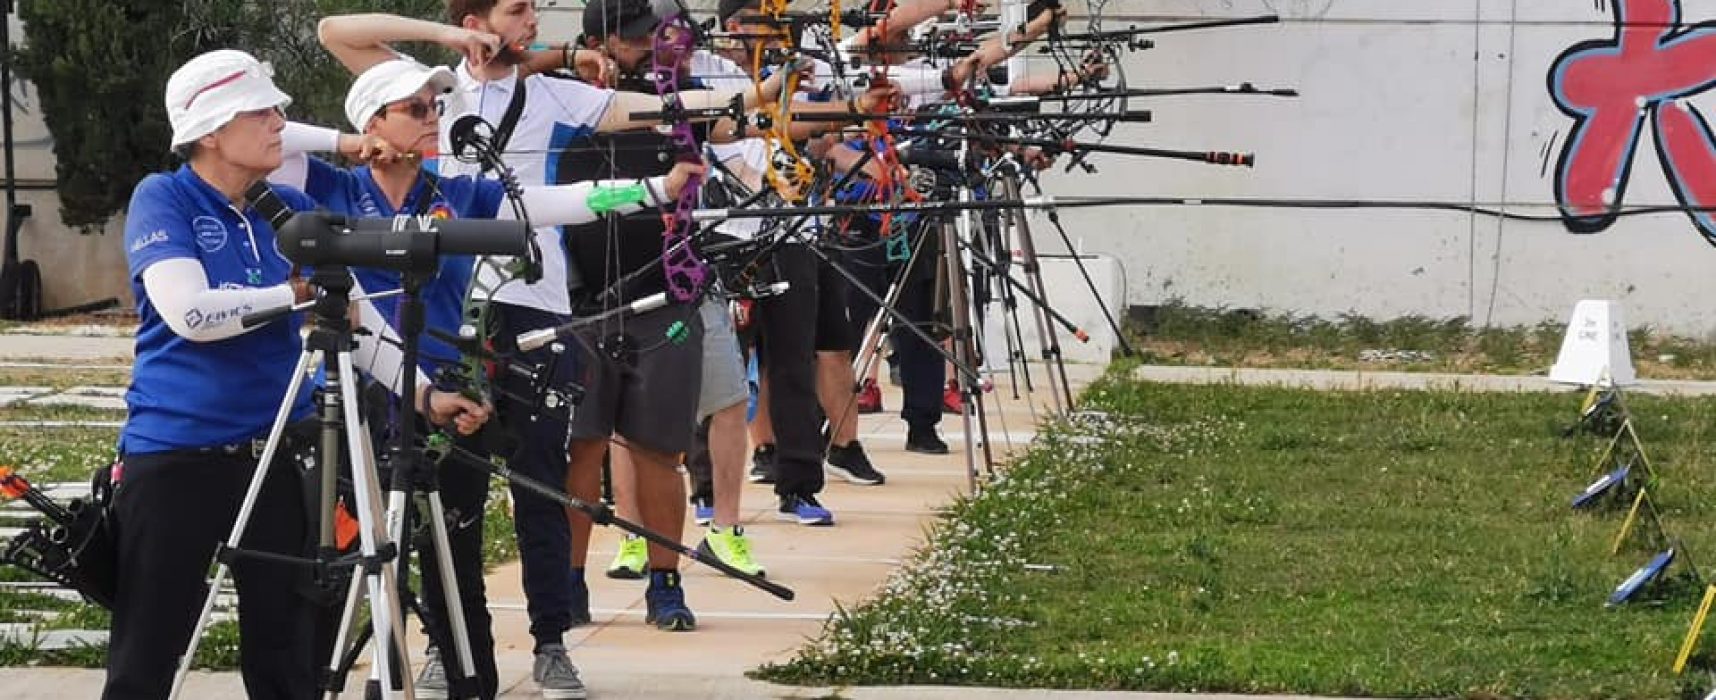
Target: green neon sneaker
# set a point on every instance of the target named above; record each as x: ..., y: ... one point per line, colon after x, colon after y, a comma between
x: 732, y: 547
x: 632, y: 560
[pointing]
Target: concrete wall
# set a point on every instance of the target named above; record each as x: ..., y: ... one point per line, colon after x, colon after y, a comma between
x: 77, y: 267
x: 1445, y: 110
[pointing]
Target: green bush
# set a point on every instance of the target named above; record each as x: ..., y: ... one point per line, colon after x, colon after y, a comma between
x: 100, y: 68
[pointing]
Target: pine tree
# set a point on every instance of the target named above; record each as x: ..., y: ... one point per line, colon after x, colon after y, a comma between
x: 100, y: 68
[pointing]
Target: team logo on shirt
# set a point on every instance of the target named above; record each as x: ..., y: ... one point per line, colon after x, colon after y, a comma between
x: 441, y: 211
x: 210, y: 232
x: 157, y: 236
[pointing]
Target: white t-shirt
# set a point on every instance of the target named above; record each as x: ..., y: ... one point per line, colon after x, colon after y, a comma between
x: 719, y: 73
x: 556, y: 112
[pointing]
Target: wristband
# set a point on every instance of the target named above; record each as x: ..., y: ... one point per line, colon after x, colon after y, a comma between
x: 423, y: 407
x: 604, y: 200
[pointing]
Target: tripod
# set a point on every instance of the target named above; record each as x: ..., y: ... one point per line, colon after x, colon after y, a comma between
x: 328, y: 345
x: 411, y: 474
x: 964, y: 340
x: 1041, y: 313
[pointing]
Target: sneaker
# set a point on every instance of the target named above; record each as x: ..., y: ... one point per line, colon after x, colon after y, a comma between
x: 665, y: 603
x: 702, y: 510
x: 432, y: 681
x: 870, y: 398
x: 925, y: 441
x: 632, y: 559
x: 556, y: 676
x: 732, y: 547
x: 804, y: 510
x: 763, y: 465
x: 951, y: 401
x: 850, y: 463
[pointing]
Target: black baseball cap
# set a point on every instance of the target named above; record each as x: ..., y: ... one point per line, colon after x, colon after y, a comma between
x: 628, y: 19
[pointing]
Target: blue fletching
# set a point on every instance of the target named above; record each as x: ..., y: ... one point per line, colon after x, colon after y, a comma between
x: 1602, y: 486
x: 1644, y: 575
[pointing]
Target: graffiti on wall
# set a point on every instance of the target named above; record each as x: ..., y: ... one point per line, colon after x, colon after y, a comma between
x: 1611, y: 88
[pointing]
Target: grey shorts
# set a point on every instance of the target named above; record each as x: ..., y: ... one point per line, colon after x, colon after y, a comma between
x: 723, y: 366
x: 650, y: 396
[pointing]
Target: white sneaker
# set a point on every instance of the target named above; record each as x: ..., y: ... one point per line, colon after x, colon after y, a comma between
x: 432, y: 681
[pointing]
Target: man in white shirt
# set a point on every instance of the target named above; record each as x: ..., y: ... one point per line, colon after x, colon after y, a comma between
x: 550, y: 111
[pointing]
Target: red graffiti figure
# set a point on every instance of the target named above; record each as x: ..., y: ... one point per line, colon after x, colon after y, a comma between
x: 1610, y: 87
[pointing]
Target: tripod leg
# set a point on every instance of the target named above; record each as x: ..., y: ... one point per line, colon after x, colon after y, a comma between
x: 1034, y: 273
x: 450, y: 588
x: 975, y: 352
x: 961, y: 341
x: 305, y: 360
x: 1016, y: 357
x: 333, y: 680
x: 379, y: 565
x: 870, y: 346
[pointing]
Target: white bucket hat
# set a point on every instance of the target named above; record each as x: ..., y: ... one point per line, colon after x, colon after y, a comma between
x: 389, y: 82
x: 209, y: 90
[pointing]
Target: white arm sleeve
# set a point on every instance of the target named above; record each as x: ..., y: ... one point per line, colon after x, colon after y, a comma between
x: 179, y: 290
x: 308, y: 138
x: 560, y: 205
x: 917, y: 80
x: 378, y: 352
x: 297, y: 141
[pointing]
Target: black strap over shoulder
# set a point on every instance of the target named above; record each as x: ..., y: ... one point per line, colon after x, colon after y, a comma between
x: 431, y: 191
x: 509, y: 120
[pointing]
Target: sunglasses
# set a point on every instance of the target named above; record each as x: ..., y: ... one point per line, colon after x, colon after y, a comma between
x: 415, y: 109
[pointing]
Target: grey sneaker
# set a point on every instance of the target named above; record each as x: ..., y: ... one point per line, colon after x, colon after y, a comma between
x: 432, y: 682
x: 555, y: 674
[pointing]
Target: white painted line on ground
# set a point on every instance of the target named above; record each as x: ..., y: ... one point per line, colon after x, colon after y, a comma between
x: 713, y: 615
x: 26, y: 634
x: 61, y: 424
x: 1020, y: 437
x: 773, y: 558
x: 117, y: 392
x: 14, y: 394
x: 59, y: 365
x: 84, y: 400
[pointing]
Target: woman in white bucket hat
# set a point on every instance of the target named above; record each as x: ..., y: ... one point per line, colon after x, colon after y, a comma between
x: 205, y: 391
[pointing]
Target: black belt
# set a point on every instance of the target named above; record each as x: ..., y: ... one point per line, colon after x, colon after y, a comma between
x: 253, y: 447
x: 295, y: 435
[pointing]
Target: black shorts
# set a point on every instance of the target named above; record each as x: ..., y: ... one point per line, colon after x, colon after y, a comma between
x: 648, y: 394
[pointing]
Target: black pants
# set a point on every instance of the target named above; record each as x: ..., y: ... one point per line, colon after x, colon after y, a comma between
x: 923, y: 369
x: 791, y: 328
x: 464, y: 490
x: 544, y: 534
x: 170, y: 511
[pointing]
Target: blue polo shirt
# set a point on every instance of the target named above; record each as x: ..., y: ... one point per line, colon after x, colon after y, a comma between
x: 354, y: 193
x: 185, y: 394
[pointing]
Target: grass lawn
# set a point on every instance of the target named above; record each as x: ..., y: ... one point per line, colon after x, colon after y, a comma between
x: 50, y: 455
x: 1175, y: 334
x: 1266, y: 540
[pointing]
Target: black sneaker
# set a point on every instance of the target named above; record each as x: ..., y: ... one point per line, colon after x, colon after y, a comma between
x: 925, y: 441
x: 763, y: 465
x: 850, y: 463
